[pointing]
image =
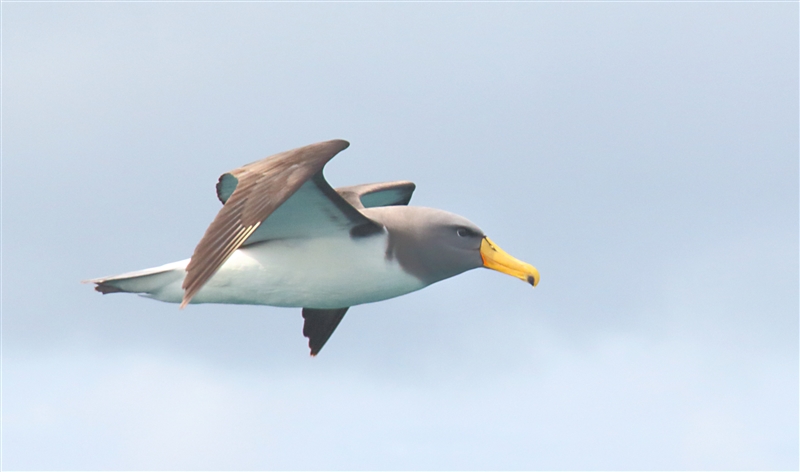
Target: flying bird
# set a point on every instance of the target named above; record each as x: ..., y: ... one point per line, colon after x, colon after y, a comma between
x: 284, y: 237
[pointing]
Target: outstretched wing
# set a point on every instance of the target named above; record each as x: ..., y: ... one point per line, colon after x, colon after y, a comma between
x: 284, y: 195
x: 380, y: 194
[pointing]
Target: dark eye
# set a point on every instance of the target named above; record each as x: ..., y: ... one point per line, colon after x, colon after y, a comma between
x: 464, y: 232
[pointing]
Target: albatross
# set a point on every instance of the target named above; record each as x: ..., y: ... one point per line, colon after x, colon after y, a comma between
x: 284, y: 237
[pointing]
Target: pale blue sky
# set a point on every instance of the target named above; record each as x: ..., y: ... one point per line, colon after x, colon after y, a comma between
x: 644, y: 156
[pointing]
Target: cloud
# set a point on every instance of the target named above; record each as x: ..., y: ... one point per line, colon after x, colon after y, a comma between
x: 559, y: 408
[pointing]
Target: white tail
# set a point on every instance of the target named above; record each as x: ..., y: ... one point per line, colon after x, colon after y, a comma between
x: 149, y: 282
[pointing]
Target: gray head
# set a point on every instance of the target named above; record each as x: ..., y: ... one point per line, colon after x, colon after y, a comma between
x: 434, y: 245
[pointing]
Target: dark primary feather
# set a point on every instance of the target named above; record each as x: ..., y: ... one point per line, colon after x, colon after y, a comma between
x: 319, y: 325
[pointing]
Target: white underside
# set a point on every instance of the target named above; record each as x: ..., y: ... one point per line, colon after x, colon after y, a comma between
x: 332, y: 272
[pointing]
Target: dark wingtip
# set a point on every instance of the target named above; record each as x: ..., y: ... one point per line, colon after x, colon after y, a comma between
x: 319, y: 324
x: 338, y: 145
x: 343, y: 142
x: 315, y: 346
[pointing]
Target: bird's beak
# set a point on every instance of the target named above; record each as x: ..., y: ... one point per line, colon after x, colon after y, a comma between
x: 499, y: 260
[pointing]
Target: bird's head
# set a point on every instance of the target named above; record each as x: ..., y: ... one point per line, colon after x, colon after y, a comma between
x: 435, y: 245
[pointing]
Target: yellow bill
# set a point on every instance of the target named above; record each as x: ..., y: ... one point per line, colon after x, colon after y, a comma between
x: 499, y: 260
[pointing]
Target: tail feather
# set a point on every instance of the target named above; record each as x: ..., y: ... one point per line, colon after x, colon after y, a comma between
x: 149, y: 281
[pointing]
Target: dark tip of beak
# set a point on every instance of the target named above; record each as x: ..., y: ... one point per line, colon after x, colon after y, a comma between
x: 530, y: 280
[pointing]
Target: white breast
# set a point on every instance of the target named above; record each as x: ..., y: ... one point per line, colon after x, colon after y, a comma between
x: 315, y: 273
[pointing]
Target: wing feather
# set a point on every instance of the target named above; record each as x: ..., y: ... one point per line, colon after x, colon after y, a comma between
x: 260, y: 188
x: 379, y: 194
x: 319, y: 324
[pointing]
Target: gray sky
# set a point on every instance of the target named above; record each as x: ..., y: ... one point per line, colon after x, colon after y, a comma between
x: 644, y: 156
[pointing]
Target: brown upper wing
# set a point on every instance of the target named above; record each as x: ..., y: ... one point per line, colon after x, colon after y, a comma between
x: 251, y: 194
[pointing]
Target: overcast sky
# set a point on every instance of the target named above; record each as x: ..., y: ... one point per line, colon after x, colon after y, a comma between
x: 643, y: 156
